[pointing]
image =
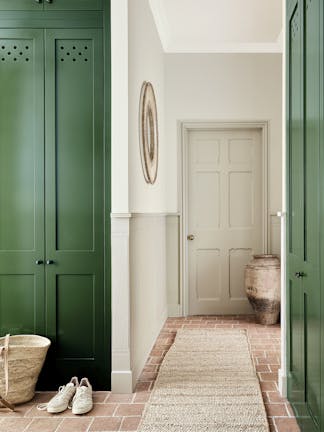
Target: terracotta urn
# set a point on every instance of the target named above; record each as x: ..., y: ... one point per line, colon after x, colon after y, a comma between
x: 262, y: 284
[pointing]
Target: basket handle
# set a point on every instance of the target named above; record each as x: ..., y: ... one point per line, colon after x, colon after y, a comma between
x: 4, y: 351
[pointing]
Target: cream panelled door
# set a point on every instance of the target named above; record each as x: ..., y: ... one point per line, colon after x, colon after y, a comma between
x: 224, y: 217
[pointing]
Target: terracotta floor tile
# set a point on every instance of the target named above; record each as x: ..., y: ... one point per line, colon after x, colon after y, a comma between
x: 100, y: 396
x: 102, y: 410
x: 268, y: 386
x: 262, y: 368
x: 43, y: 425
x: 142, y: 397
x: 130, y: 424
x: 20, y: 411
x: 276, y: 410
x: 130, y: 410
x: 274, y: 396
x: 268, y: 376
x: 286, y: 425
x: 105, y: 424
x: 120, y: 398
x: 14, y: 424
x: 143, y: 386
x: 75, y: 425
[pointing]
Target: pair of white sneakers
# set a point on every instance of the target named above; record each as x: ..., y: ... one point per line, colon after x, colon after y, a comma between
x: 74, y: 395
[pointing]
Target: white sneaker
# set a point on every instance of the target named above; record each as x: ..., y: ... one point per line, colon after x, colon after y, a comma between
x: 61, y: 400
x: 82, y: 401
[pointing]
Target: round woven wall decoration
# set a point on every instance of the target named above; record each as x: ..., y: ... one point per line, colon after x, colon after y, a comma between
x: 148, y: 131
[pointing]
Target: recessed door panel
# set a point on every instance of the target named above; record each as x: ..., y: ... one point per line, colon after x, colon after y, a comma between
x: 73, y: 5
x: 75, y: 317
x: 18, y: 304
x: 21, y: 5
x: 21, y: 181
x: 75, y: 144
x: 75, y: 203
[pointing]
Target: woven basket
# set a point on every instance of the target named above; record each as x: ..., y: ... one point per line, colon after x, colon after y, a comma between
x: 20, y: 366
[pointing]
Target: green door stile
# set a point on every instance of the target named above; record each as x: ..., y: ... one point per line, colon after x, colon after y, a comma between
x: 55, y: 183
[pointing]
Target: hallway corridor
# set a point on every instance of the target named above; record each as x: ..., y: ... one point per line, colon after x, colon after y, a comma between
x: 114, y: 412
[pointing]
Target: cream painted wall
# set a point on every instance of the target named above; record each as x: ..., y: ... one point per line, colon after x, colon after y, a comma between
x: 146, y: 63
x: 224, y: 87
x: 148, y: 285
x: 147, y: 203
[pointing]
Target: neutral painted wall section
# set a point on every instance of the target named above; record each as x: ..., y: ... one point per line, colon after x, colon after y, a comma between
x: 148, y: 305
x: 146, y: 63
x: 224, y: 87
x: 148, y: 285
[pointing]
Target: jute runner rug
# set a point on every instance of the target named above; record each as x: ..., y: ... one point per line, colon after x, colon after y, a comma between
x: 207, y: 382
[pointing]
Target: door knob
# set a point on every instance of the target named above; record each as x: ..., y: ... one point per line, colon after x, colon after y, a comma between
x: 48, y: 262
x: 190, y: 237
x: 39, y: 262
x: 299, y: 274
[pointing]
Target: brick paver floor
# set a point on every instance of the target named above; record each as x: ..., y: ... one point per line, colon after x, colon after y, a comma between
x: 113, y: 412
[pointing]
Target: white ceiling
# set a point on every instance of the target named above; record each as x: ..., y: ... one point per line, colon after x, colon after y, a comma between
x: 219, y: 25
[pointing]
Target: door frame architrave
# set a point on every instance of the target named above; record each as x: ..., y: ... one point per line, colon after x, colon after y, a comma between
x: 184, y: 128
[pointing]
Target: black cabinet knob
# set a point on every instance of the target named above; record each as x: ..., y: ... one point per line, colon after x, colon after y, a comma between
x: 49, y: 262
x: 39, y: 262
x: 299, y: 274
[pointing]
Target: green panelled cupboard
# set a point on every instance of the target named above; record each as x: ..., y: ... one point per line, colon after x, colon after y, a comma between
x: 54, y: 182
x: 305, y: 166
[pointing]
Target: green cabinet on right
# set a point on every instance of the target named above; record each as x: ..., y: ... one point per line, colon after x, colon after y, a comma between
x: 305, y: 200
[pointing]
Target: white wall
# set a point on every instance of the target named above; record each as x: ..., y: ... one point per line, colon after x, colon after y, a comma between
x: 224, y: 87
x: 146, y: 63
x: 147, y: 202
x: 139, y: 304
x: 148, y: 286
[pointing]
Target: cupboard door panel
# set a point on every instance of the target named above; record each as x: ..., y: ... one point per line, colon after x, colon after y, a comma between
x: 73, y: 5
x: 75, y: 203
x: 21, y: 181
x: 21, y: 5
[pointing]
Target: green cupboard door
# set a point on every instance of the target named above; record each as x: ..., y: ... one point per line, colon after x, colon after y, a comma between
x: 73, y: 5
x: 295, y: 247
x: 21, y: 5
x: 75, y: 311
x: 21, y: 181
x: 311, y: 280
x: 303, y: 215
